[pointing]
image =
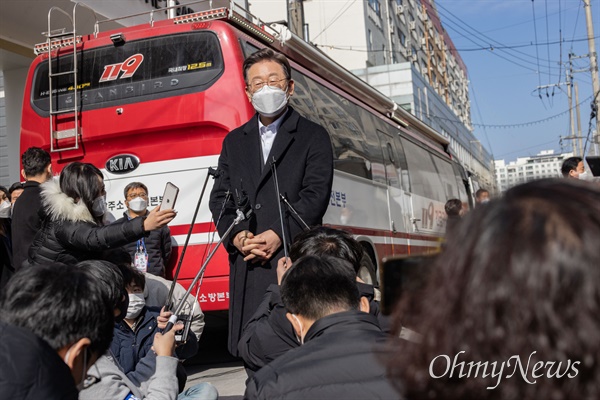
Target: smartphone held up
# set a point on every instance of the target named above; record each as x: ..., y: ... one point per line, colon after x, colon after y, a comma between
x: 169, y: 197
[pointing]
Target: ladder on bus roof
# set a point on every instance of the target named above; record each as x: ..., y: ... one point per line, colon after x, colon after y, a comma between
x: 56, y: 39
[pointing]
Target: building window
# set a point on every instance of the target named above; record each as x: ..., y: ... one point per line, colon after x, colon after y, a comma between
x: 374, y: 4
x: 402, y: 37
x: 370, y: 40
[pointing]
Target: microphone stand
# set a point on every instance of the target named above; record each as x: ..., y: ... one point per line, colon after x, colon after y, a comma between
x: 293, y: 210
x: 211, y: 172
x: 243, y: 212
x: 276, y: 181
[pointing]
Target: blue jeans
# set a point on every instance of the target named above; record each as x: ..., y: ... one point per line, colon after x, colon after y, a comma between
x: 201, y: 391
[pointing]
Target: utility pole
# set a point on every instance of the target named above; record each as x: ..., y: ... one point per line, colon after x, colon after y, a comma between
x: 578, y: 137
x: 296, y: 18
x: 573, y: 104
x: 570, y: 96
x: 594, y: 68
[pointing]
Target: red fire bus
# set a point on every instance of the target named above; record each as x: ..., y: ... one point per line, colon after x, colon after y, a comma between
x: 153, y: 102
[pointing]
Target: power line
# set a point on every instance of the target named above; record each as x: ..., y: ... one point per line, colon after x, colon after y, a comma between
x: 537, y: 56
x: 548, y: 39
x: 335, y: 18
x: 483, y: 48
x: 512, y: 126
x: 472, y: 32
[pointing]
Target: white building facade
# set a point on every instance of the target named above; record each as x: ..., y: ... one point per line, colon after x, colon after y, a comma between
x: 525, y: 169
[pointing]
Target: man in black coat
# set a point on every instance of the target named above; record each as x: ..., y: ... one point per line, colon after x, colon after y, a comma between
x: 342, y: 355
x: 301, y: 152
x: 26, y: 222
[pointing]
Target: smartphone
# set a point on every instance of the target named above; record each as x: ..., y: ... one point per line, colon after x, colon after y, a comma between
x: 169, y: 197
x: 403, y: 275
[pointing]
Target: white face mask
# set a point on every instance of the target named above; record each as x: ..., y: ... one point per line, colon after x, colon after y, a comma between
x: 269, y: 101
x: 83, y: 370
x: 301, y: 338
x: 138, y: 204
x: 5, y: 209
x: 136, y: 304
x: 99, y: 206
x: 586, y: 176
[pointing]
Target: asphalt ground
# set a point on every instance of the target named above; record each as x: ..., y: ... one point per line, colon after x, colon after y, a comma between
x: 214, y: 364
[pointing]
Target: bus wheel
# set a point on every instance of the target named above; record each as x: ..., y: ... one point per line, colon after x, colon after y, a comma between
x: 367, y: 270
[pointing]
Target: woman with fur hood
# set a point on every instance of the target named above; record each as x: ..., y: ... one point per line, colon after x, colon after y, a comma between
x: 72, y: 229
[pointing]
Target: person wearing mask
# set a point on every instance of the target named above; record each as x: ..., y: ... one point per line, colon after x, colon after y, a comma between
x: 301, y: 152
x: 134, y: 335
x: 573, y: 167
x: 343, y: 350
x: 26, y: 222
x: 55, y: 321
x: 154, y: 377
x: 72, y: 230
x: 4, y: 203
x: 150, y: 253
x: 268, y: 334
x: 482, y: 196
x: 15, y: 190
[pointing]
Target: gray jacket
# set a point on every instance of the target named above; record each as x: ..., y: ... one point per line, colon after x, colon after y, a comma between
x: 153, y: 379
x: 156, y: 293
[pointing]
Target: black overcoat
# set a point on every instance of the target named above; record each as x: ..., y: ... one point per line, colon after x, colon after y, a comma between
x: 304, y: 162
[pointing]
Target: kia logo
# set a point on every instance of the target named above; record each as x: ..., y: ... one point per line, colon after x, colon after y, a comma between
x: 122, y: 164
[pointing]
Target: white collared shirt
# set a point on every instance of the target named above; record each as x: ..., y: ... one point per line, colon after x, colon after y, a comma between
x: 267, y: 135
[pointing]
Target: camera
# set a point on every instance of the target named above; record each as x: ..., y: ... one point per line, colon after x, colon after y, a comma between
x: 403, y: 275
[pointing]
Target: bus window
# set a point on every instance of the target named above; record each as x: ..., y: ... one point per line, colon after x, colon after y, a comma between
x: 424, y: 178
x: 462, y: 181
x: 446, y: 174
x: 353, y: 152
x: 397, y: 151
x: 139, y: 70
x: 248, y: 48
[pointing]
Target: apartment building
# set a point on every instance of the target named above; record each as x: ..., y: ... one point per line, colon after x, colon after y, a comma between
x: 546, y: 164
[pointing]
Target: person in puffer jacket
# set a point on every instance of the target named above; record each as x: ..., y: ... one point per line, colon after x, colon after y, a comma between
x: 72, y: 228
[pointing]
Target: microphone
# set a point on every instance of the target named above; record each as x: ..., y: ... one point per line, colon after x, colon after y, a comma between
x: 243, y: 203
x: 215, y: 173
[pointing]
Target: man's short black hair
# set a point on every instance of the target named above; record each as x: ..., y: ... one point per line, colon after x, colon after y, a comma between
x: 35, y: 161
x: 267, y: 55
x: 325, y: 241
x: 109, y: 277
x: 131, y: 275
x: 453, y: 207
x: 569, y: 165
x: 479, y: 192
x: 134, y: 185
x: 13, y: 187
x: 60, y: 304
x: 315, y: 287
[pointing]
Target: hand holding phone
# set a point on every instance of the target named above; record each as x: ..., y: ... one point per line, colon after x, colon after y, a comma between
x: 169, y: 197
